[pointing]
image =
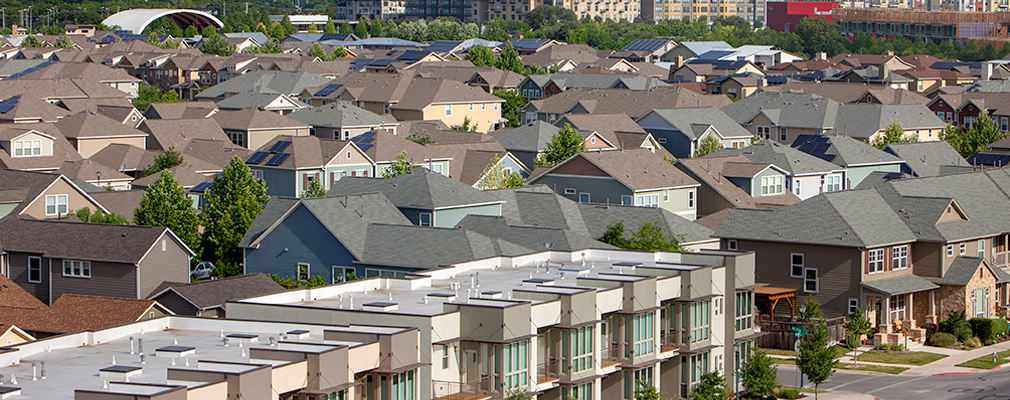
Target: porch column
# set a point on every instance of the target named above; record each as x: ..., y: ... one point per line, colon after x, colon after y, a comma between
x: 909, y: 307
x: 932, y: 304
x: 887, y: 311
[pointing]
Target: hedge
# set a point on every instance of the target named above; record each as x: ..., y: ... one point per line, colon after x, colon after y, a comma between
x: 941, y: 339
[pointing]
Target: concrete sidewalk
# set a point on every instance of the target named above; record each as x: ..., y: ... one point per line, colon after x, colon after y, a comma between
x: 948, y: 365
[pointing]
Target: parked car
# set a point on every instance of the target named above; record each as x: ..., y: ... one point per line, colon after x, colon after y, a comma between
x: 202, y: 271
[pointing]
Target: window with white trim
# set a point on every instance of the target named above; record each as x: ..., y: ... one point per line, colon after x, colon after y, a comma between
x: 424, y: 219
x: 796, y: 263
x: 962, y: 248
x: 875, y: 261
x: 56, y: 204
x: 445, y: 356
x: 649, y: 200
x: 764, y: 132
x: 899, y: 257
x: 783, y: 135
x: 810, y: 280
x: 237, y: 137
x: 626, y: 200
x: 771, y: 185
x: 302, y: 272
x: 77, y: 269
x: 950, y: 250
x: 853, y: 305
x: 569, y: 190
x: 24, y: 148
x: 833, y: 183
x: 448, y: 110
x: 34, y: 270
x: 690, y: 198
x: 339, y: 274
x: 584, y: 197
x: 898, y: 307
x: 981, y: 248
x: 796, y: 187
x: 666, y: 195
x: 731, y: 245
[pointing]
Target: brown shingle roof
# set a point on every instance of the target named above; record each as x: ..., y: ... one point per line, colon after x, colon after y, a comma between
x: 122, y: 202
x: 248, y: 119
x: 710, y: 170
x: 125, y: 157
x: 177, y: 133
x: 638, y: 169
x: 86, y: 124
x: 77, y: 312
x: 424, y: 92
x: 65, y: 239
x: 634, y: 103
x: 214, y: 293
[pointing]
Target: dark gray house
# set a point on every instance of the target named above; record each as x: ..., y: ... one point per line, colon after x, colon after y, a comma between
x: 207, y: 298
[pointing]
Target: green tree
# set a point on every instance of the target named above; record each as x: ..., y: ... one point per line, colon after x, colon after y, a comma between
x: 508, y: 59
x: 291, y: 283
x: 974, y: 139
x: 375, y: 28
x: 708, y: 145
x: 893, y: 134
x: 421, y: 137
x: 312, y: 29
x: 545, y: 15
x: 563, y: 145
x: 759, y: 374
x: 164, y: 160
x: 645, y: 391
x: 317, y: 51
x: 234, y: 200
x: 346, y: 28
x: 510, y: 108
x: 816, y: 358
x: 329, y: 27
x: 146, y: 94
x: 289, y: 28
x: 494, y: 177
x: 63, y: 43
x: 100, y: 217
x: 399, y: 166
x: 216, y: 44
x: 165, y: 204
x: 614, y: 235
x: 31, y: 41
x: 175, y: 30
x: 650, y: 237
x: 711, y: 387
x: 465, y: 126
x: 857, y: 326
x: 190, y: 31
x: 339, y: 52
x: 315, y: 189
x: 361, y: 28
x: 480, y: 56
x: 277, y: 31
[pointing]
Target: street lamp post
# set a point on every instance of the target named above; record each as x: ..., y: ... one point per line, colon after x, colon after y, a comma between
x: 803, y: 320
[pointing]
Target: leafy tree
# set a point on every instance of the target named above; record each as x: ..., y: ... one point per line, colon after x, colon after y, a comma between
x: 816, y: 358
x: 31, y: 41
x: 234, y: 200
x: 820, y: 35
x: 289, y: 28
x: 272, y: 46
x: 857, y: 326
x: 759, y: 374
x: 166, y: 204
x: 175, y: 30
x: 291, y: 283
x: 974, y: 139
x: 614, y: 235
x: 708, y: 145
x: 63, y: 43
x: 711, y: 387
x: 165, y: 160
x: 547, y: 15
x: 346, y: 28
x: 510, y: 108
x: 329, y: 27
x: 312, y: 29
x: 190, y: 31
x: 648, y: 237
x: 317, y: 51
x: 400, y: 165
x: 169, y: 97
x: 361, y: 28
x: 277, y: 31
x: 465, y: 126
x: 480, y: 56
x: 315, y: 189
x: 339, y: 52
x: 563, y: 145
x: 508, y: 59
x: 893, y: 134
x: 216, y: 44
x: 375, y: 29
x: 100, y: 217
x: 518, y: 394
x: 421, y: 137
x: 496, y: 178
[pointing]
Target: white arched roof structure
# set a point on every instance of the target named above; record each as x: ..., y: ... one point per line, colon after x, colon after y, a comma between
x: 137, y: 19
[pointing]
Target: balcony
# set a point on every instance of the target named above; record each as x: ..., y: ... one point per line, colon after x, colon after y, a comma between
x: 610, y: 356
x: 668, y: 341
x: 548, y: 374
x: 479, y: 389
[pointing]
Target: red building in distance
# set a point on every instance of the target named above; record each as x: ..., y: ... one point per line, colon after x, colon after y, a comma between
x: 783, y: 16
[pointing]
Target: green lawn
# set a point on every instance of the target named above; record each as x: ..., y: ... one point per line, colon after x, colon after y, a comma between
x: 985, y: 362
x: 788, y: 361
x: 873, y: 368
x: 910, y: 358
x: 778, y: 352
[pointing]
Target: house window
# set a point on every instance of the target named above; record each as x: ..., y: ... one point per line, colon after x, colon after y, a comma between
x: 569, y: 190
x: 56, y: 204
x: 626, y: 200
x: 981, y: 248
x: 516, y: 364
x: 448, y: 110
x: 578, y: 392
x: 592, y: 140
x: 445, y: 356
x: 302, y: 272
x: 238, y: 138
x: 690, y: 199
x: 744, y: 308
x: 258, y: 174
x: 77, y: 269
x: 27, y: 148
x: 810, y: 280
x: 783, y: 135
x: 483, y: 106
x: 661, y: 140
x: 832, y: 183
x: 471, y: 106
x: 403, y: 386
x: 898, y: 307
x: 796, y: 262
x: 582, y: 348
x: 853, y: 305
x: 339, y: 274
x: 796, y: 187
x: 962, y: 248
x: 771, y: 185
x: 436, y: 168
x: 34, y: 270
x: 424, y: 219
x: 696, y: 321
x: 666, y: 195
x: 875, y: 261
x: 640, y: 329
x: 899, y: 257
x: 649, y: 200
x: 950, y: 250
x: 584, y: 197
x: 731, y: 244
x: 764, y: 132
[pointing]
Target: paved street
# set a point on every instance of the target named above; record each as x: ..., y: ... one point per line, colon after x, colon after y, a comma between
x: 988, y: 385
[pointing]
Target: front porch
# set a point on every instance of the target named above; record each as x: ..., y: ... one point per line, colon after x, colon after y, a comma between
x: 899, y: 307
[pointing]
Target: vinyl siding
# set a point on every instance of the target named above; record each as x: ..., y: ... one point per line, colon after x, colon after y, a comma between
x: 107, y: 279
x: 75, y: 200
x: 170, y: 265
x: 926, y: 259
x: 601, y: 190
x: 855, y: 175
x: 449, y: 218
x: 755, y: 189
x: 88, y: 147
x: 280, y: 182
x: 176, y: 303
x: 18, y: 272
x: 299, y: 239
x: 258, y: 138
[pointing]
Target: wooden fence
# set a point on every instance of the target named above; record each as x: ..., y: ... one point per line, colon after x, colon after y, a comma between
x: 779, y: 334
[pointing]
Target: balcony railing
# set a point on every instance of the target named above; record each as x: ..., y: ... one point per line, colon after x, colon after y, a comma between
x: 547, y: 371
x: 475, y: 389
x: 999, y: 259
x: 668, y: 341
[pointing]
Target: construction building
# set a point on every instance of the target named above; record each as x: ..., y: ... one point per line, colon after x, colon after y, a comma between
x: 933, y: 25
x: 709, y: 10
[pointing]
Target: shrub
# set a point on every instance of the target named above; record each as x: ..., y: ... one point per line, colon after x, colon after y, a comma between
x: 984, y: 329
x: 941, y: 339
x: 883, y: 346
x: 1000, y: 325
x: 973, y: 342
x: 956, y: 325
x: 788, y: 393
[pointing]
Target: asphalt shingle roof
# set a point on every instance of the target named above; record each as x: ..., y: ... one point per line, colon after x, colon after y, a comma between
x: 215, y: 292
x: 419, y: 188
x: 901, y: 285
x: 789, y: 159
x: 926, y: 158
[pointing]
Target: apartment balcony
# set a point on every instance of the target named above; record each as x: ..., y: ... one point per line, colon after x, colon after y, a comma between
x: 610, y: 358
x: 668, y: 342
x: 548, y: 375
x: 479, y: 389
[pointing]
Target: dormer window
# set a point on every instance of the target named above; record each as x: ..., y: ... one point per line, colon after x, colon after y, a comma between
x: 24, y: 148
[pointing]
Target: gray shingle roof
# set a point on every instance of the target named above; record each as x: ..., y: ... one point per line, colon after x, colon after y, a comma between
x: 846, y: 151
x: 419, y: 188
x: 804, y: 110
x: 339, y: 115
x: 960, y: 271
x: 532, y: 238
x: 214, y: 293
x: 863, y: 120
x: 65, y: 239
x: 926, y: 158
x: 901, y: 285
x: 693, y: 122
x: 638, y: 169
x: 532, y: 138
x: 278, y: 82
x: 783, y: 156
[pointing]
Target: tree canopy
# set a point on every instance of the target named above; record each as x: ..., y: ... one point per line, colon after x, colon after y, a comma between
x: 400, y: 165
x: 234, y: 200
x: 564, y: 144
x: 165, y: 204
x: 893, y: 134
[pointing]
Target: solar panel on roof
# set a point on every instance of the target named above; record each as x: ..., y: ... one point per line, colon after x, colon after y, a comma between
x: 328, y: 89
x: 278, y: 159
x: 257, y: 157
x: 8, y: 104
x: 644, y: 44
x: 364, y: 141
x: 333, y: 36
x: 280, y: 146
x: 201, y: 187
x: 30, y: 70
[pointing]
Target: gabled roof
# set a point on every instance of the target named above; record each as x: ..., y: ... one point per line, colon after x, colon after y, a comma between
x: 470, y: 160
x: 86, y: 125
x: 215, y: 292
x: 787, y: 158
x: 863, y: 120
x: 804, y: 110
x: 424, y: 92
x: 650, y: 45
x: 638, y: 169
x: 420, y: 188
x: 181, y: 110
x: 78, y: 240
x: 900, y: 285
x: 258, y: 101
x: 169, y: 133
x: 926, y: 158
x: 340, y: 115
x: 850, y: 93
x: 62, y: 150
x: 122, y: 202
x: 275, y: 82
x: 532, y: 138
x: 88, y: 170
x: 702, y: 47
x: 305, y: 151
x: 962, y: 270
x: 710, y: 171
x: 634, y: 103
x: 842, y: 150
x: 24, y: 187
x: 530, y: 238
x: 688, y: 121
x: 252, y: 119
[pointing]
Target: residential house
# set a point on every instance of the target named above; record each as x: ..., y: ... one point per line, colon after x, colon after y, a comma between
x: 425, y: 198
x: 288, y: 164
x: 34, y: 147
x: 735, y: 182
x: 474, y: 163
x: 527, y: 142
x: 761, y: 55
x: 636, y: 177
x: 270, y: 82
x: 688, y: 50
x: 384, y: 148
x: 849, y: 93
x: 806, y: 175
x: 114, y: 77
x: 89, y: 133
x: 76, y: 312
x: 928, y: 79
x: 252, y: 128
x: 487, y: 78
x: 858, y: 158
x: 122, y: 202
x: 633, y: 103
x: 736, y: 85
x: 49, y: 258
x: 609, y: 131
x: 927, y: 158
x: 541, y: 86
x: 42, y: 195
x: 164, y: 134
x: 702, y: 70
x: 564, y: 57
x: 651, y: 49
x: 181, y: 110
x: 207, y: 298
x: 530, y: 46
x: 96, y: 174
x: 681, y: 130
x: 343, y: 121
x: 274, y: 102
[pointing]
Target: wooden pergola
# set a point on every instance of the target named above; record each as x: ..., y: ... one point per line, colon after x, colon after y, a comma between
x: 767, y: 296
